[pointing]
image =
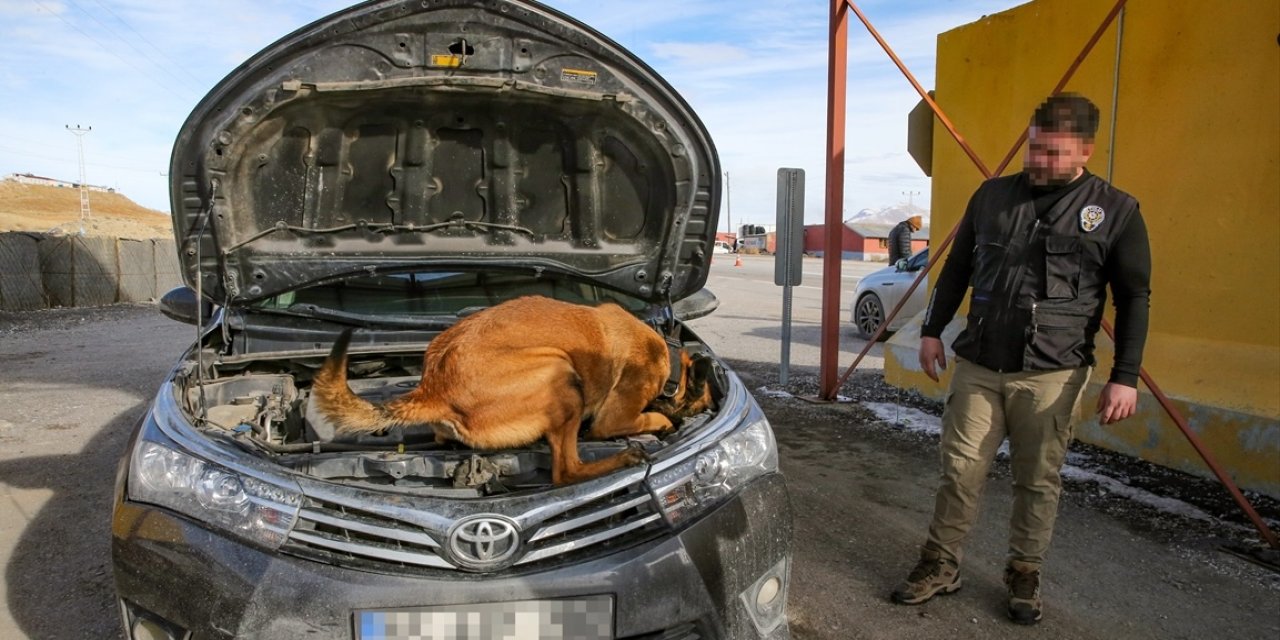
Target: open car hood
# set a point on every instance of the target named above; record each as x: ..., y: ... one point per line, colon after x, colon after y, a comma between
x: 451, y: 133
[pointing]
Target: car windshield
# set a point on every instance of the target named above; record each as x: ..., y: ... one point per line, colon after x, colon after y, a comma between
x: 438, y: 293
x: 918, y: 261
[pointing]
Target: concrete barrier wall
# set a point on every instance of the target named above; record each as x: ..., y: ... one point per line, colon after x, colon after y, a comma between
x: 168, y: 272
x: 137, y: 260
x: 95, y: 278
x: 40, y: 271
x: 54, y: 270
x: 20, y: 284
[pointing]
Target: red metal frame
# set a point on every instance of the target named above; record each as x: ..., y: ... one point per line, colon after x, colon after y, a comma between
x: 837, y: 77
x: 836, y: 80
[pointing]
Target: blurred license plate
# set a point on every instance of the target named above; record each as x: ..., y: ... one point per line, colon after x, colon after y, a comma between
x: 575, y: 619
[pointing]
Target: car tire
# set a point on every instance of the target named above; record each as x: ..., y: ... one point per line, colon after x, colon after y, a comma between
x: 868, y: 315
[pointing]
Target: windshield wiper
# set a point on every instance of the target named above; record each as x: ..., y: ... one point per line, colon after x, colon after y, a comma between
x: 457, y: 222
x: 368, y: 320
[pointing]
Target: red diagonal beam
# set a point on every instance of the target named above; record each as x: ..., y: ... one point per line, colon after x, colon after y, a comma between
x: 924, y: 95
x: 936, y: 254
x: 1267, y: 534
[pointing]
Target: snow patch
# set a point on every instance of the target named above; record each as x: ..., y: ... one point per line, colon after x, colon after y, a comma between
x: 1167, y: 505
x: 906, y: 417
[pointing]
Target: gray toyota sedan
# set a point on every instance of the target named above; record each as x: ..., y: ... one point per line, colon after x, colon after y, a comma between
x: 390, y: 169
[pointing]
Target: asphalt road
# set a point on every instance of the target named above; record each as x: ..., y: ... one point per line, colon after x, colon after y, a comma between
x: 748, y: 324
x: 73, y: 382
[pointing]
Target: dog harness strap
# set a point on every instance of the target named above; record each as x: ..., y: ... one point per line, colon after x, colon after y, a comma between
x: 670, y: 330
x: 672, y: 385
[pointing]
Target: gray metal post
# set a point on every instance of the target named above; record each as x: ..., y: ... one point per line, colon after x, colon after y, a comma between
x: 785, y: 366
x: 789, y: 247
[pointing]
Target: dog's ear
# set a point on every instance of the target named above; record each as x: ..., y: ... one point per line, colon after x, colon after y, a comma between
x: 702, y: 367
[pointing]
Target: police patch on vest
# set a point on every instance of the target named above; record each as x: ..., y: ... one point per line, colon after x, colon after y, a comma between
x: 1091, y: 217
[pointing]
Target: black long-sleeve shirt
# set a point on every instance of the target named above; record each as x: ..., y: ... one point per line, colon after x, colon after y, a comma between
x: 1127, y: 272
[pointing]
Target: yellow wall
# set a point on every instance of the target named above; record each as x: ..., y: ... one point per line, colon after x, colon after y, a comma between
x: 1197, y: 141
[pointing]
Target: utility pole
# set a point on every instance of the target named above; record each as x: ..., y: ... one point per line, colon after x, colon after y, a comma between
x: 79, y: 133
x: 728, y: 209
x: 909, y: 195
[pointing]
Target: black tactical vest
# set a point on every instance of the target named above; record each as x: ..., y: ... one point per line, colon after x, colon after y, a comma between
x: 1040, y: 283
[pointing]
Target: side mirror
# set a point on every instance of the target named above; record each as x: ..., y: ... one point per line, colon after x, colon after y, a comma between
x: 901, y: 264
x: 181, y: 304
x: 697, y: 305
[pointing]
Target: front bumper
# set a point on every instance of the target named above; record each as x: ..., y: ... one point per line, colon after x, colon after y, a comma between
x: 214, y: 586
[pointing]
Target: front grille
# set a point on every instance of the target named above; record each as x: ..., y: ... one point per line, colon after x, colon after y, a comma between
x: 612, y: 520
x: 596, y: 524
x: 347, y: 533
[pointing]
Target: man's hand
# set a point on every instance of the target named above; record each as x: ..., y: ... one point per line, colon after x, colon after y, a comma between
x: 1116, y: 403
x: 933, y: 357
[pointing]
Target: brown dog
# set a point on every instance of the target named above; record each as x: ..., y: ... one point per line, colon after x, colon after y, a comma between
x: 532, y: 368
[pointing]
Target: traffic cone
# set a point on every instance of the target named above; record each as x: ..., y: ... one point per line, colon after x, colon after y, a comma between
x: 737, y: 260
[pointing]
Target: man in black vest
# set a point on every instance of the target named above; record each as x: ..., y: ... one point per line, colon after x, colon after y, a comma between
x: 900, y: 238
x: 1039, y: 249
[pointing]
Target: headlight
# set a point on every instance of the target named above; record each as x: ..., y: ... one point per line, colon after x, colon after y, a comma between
x: 258, y: 511
x: 705, y: 479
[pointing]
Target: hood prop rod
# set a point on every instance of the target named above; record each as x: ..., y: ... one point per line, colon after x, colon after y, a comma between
x: 205, y: 215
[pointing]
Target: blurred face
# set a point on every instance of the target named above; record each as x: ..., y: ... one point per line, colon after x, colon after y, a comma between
x: 1055, y: 158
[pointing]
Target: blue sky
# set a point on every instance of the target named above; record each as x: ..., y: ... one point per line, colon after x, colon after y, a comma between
x: 754, y: 70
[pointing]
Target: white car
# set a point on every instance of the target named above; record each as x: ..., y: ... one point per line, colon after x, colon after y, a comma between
x: 879, y: 292
x: 722, y: 247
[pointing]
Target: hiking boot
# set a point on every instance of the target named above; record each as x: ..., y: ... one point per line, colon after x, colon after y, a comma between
x: 1023, y: 580
x: 932, y: 575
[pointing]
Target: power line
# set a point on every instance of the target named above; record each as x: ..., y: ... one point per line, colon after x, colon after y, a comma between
x: 26, y: 140
x: 126, y: 41
x: 106, y: 48
x: 66, y: 159
x: 42, y: 144
x: 128, y: 26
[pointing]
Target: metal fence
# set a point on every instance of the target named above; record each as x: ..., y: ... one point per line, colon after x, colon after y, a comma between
x: 39, y: 271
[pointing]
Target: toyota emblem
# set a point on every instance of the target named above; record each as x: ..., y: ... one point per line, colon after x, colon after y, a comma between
x: 484, y: 542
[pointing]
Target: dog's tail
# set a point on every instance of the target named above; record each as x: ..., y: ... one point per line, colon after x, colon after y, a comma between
x: 335, y: 400
x: 348, y: 412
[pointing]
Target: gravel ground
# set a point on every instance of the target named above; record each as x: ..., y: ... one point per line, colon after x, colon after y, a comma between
x: 1212, y: 526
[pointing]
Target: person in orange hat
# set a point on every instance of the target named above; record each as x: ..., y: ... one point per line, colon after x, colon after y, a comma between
x: 900, y: 238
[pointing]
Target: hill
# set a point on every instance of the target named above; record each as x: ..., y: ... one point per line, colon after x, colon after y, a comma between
x: 888, y: 215
x: 44, y: 209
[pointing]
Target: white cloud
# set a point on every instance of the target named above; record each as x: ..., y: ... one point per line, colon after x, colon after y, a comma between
x: 699, y: 53
x: 754, y: 70
x: 627, y: 22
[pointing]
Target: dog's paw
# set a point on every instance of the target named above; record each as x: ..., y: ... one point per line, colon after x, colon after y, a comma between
x: 635, y: 454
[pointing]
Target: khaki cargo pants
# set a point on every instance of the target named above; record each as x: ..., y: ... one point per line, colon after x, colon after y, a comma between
x: 1036, y: 411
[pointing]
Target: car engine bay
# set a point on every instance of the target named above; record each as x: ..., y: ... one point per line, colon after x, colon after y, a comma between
x: 264, y: 405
